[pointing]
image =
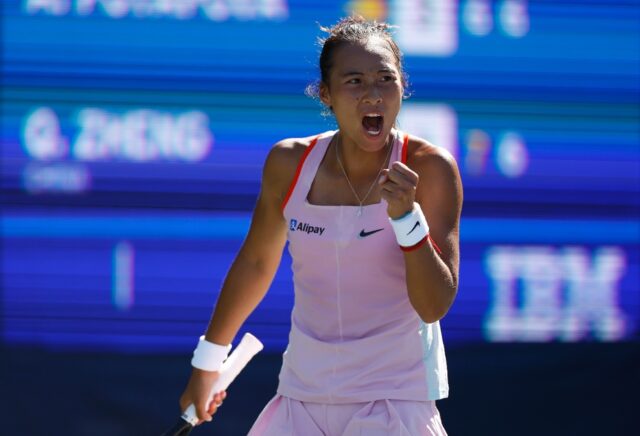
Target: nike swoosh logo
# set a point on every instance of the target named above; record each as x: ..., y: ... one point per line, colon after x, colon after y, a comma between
x: 414, y: 227
x: 364, y: 234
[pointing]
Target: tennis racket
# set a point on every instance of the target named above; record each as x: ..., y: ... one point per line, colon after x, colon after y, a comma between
x: 248, y: 347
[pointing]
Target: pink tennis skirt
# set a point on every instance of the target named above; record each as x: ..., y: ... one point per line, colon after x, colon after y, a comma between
x: 284, y: 416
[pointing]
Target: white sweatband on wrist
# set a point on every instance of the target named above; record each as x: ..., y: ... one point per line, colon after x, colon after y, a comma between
x: 209, y: 356
x: 411, y: 229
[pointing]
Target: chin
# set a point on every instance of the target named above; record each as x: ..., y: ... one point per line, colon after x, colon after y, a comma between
x: 375, y: 142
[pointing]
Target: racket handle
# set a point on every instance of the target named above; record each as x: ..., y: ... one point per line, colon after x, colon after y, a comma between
x: 248, y: 347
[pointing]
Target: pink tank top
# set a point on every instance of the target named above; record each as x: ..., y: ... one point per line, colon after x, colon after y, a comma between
x: 354, y: 335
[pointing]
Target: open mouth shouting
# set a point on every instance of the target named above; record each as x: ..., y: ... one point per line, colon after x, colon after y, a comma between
x: 372, y: 123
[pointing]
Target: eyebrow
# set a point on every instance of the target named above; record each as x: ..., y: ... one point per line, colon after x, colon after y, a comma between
x: 360, y: 73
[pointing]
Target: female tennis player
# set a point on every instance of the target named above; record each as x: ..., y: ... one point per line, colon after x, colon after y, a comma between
x: 371, y: 215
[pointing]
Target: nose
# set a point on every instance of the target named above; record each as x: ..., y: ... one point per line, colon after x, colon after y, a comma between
x: 372, y: 95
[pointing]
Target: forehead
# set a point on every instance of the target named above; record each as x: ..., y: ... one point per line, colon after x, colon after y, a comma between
x: 373, y: 54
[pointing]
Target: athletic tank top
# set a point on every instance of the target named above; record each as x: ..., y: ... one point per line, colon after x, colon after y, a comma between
x: 354, y: 335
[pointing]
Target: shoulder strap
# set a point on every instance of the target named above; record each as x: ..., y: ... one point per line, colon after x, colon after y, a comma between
x: 405, y: 148
x: 298, y: 171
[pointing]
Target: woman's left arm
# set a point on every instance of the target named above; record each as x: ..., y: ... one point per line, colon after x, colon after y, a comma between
x: 432, y: 180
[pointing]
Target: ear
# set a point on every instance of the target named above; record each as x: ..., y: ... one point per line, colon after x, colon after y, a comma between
x: 325, y: 96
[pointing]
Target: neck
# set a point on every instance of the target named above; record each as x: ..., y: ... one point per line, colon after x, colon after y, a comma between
x: 361, y: 163
x: 357, y: 179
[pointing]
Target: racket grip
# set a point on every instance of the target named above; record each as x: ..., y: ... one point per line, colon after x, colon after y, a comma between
x: 248, y: 347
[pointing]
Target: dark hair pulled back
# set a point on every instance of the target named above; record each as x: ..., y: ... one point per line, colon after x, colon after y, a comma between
x: 349, y: 30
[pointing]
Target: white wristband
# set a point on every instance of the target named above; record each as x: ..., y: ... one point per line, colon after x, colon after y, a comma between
x: 209, y: 356
x: 411, y: 229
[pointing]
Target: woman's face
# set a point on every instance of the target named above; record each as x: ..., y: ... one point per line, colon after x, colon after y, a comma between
x: 365, y: 92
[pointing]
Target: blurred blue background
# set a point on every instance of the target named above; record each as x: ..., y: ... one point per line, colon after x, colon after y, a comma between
x: 133, y: 135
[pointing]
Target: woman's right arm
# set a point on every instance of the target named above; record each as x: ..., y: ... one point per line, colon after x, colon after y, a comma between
x: 251, y: 272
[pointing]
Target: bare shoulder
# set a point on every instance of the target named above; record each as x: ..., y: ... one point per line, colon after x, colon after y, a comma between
x: 439, y: 189
x: 288, y: 152
x: 282, y: 162
x: 431, y: 162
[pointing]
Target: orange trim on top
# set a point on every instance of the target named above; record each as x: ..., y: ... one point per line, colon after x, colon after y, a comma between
x: 298, y: 171
x: 405, y: 147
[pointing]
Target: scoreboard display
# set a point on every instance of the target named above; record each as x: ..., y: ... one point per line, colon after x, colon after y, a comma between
x: 133, y: 134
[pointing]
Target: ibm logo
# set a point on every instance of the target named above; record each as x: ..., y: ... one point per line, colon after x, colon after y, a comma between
x: 542, y: 293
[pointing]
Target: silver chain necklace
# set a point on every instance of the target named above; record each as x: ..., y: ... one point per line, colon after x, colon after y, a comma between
x: 359, y: 213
